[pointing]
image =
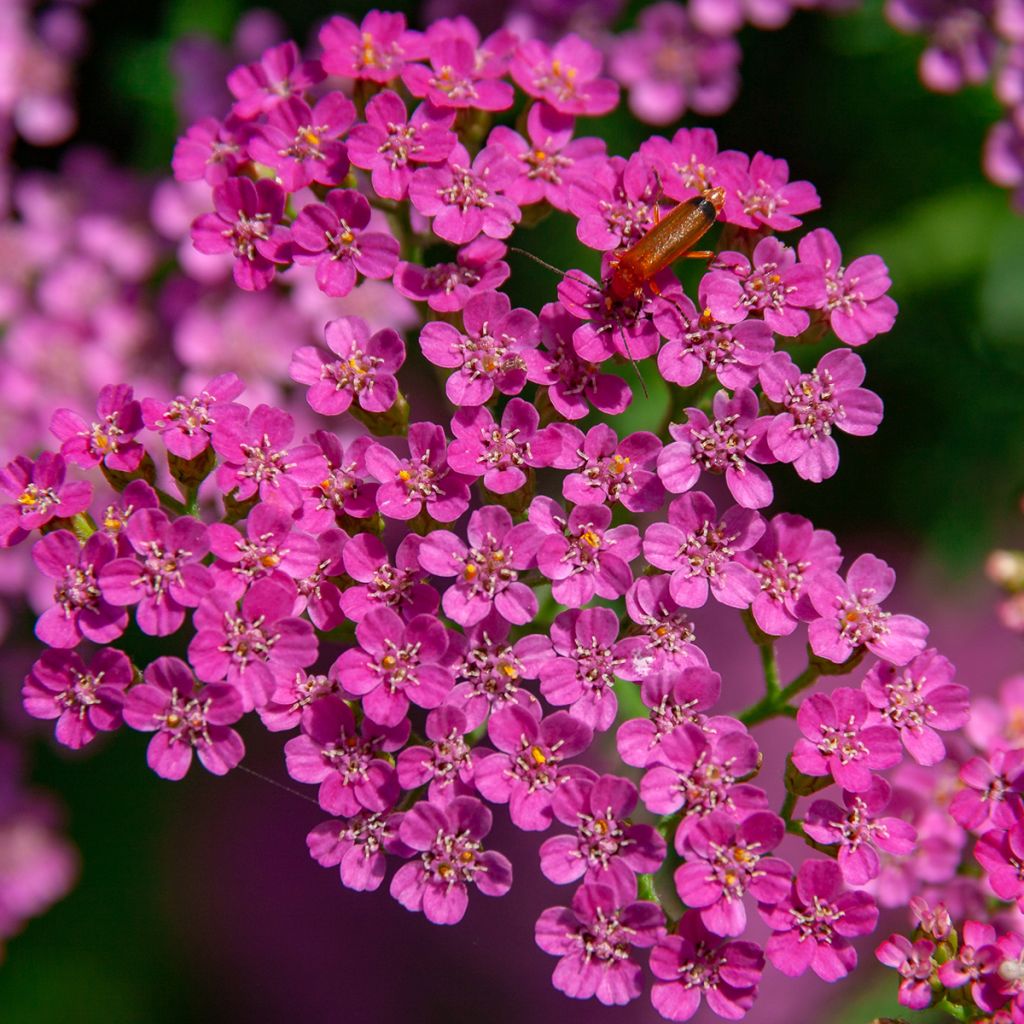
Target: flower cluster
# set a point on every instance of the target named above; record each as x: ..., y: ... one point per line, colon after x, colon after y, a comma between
x: 442, y: 611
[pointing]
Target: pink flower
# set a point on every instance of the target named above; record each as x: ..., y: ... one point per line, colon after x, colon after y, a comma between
x: 593, y: 938
x: 396, y: 663
x: 343, y: 488
x: 446, y: 764
x: 466, y: 197
x: 771, y: 283
x: 851, y: 615
x: 445, y: 287
x: 915, y: 965
x: 551, y: 161
x: 185, y: 424
x: 606, y: 844
x: 376, y: 50
x: 347, y: 762
x: 279, y: 74
x: 423, y: 481
x: 530, y: 768
x: 381, y: 584
x: 39, y: 494
x: 565, y: 76
x: 695, y: 963
x: 838, y: 742
x: 390, y: 141
x: 109, y: 440
x: 667, y: 627
x: 814, y: 923
x: 858, y: 308
x: 762, y: 195
x: 859, y: 828
x: 607, y: 470
x: 246, y: 224
x: 919, y: 699
x: 488, y: 356
x: 364, y: 370
x: 993, y: 787
x: 730, y: 443
x: 700, y: 551
x: 451, y: 858
x: 332, y: 236
x: 487, y: 571
x: 186, y: 717
x: 456, y: 79
x: 357, y: 846
x: 584, y: 554
x: 165, y: 576
x: 691, y: 164
x: 84, y: 700
x: 814, y: 403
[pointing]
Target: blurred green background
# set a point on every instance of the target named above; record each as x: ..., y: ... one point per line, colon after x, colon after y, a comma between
x: 898, y: 170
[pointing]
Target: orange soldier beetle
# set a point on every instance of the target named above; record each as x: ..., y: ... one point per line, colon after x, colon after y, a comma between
x: 671, y: 237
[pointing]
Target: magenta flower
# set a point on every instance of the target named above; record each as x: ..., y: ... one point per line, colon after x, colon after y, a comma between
x: 993, y: 786
x: 762, y: 196
x: 668, y: 628
x: 332, y: 236
x: 587, y: 656
x: 699, y: 343
x: 390, y: 141
x: 583, y: 554
x: 771, y: 283
x: 674, y: 699
x: 278, y: 75
x: 697, y: 773
x: 565, y: 76
x: 617, y: 204
x: 593, y: 938
x: 915, y: 965
x: 730, y: 443
x: 858, y: 829
x: 489, y: 355
x: 1001, y: 853
x: 917, y: 700
x: 210, y: 151
x: 503, y: 455
x: 270, y: 548
x: 466, y: 197
x: 695, y: 963
x: 487, y: 570
x: 292, y: 698
x: 346, y: 761
x: 185, y: 424
x: 79, y: 609
x: 245, y: 223
x: 573, y: 384
x: 813, y: 404
x: 455, y: 78
x: 343, y: 489
x: 379, y: 584
x: 607, y: 470
x: 364, y: 370
x: 166, y: 576
x: 550, y: 161
x: 396, y: 663
x: 838, y: 741
x: 254, y: 646
x: 690, y: 164
x: 256, y: 459
x: 423, y: 481
x: 304, y: 145
x: 446, y: 287
x: 976, y: 963
x: 607, y: 846
x: 814, y: 923
x: 851, y: 615
x: 186, y: 717
x: 446, y: 764
x: 39, y: 494
x: 530, y: 768
x: 319, y: 595
x: 375, y: 50
x: 451, y: 857
x: 84, y: 700
x: 788, y: 553
x: 137, y: 495
x: 856, y: 304
x: 110, y: 439
x: 670, y: 66
x: 699, y: 550
x: 490, y: 669
x: 357, y: 847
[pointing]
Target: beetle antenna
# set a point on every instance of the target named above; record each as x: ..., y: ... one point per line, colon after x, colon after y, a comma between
x: 636, y: 365
x: 548, y: 266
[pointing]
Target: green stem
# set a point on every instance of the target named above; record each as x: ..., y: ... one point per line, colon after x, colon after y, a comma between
x: 776, y: 703
x: 788, y: 806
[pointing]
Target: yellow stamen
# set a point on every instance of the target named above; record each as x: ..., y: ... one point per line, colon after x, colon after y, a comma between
x: 538, y: 755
